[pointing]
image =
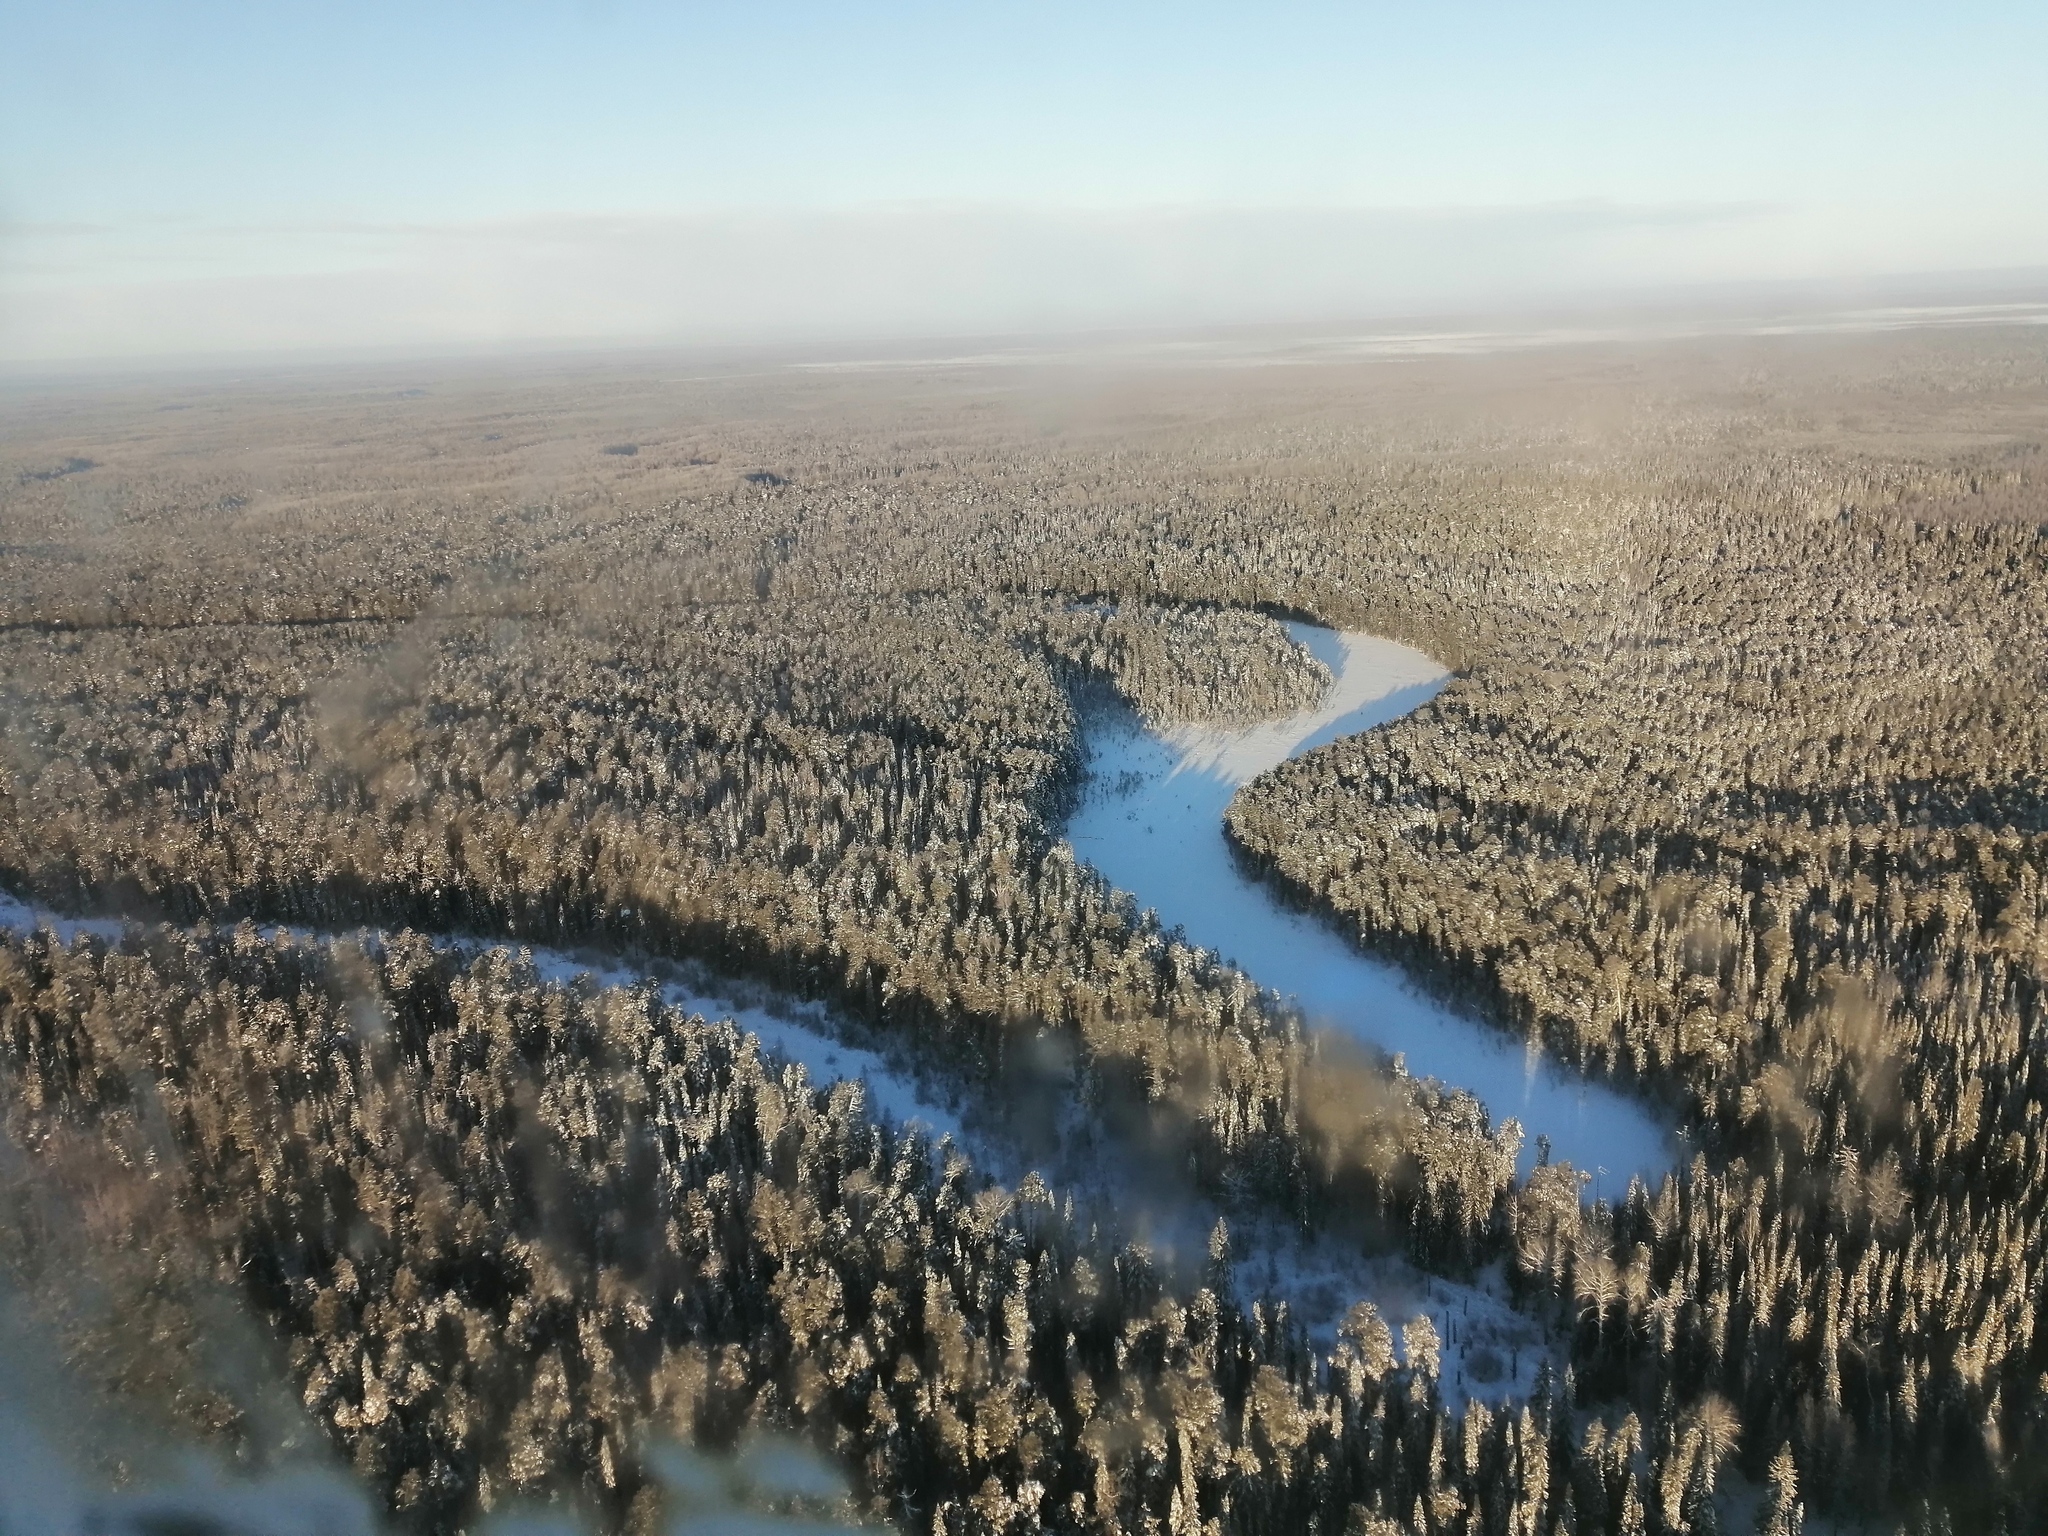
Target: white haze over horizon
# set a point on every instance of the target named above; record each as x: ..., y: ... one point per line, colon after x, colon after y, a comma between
x: 170, y: 289
x: 220, y: 177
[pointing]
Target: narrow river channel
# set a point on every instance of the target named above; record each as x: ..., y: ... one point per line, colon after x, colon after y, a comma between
x: 1151, y: 820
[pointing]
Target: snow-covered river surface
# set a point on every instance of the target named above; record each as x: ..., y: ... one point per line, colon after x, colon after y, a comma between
x: 1151, y: 820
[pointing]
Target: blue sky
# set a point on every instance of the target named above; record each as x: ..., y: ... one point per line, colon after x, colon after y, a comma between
x: 291, y: 174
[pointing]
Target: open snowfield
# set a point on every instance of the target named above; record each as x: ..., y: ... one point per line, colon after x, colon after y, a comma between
x: 1487, y: 1349
x: 1151, y: 820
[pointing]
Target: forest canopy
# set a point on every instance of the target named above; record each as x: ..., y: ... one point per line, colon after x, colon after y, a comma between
x: 347, y: 699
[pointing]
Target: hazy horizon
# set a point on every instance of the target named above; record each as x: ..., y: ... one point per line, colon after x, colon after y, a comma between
x: 1587, y: 317
x: 219, y: 179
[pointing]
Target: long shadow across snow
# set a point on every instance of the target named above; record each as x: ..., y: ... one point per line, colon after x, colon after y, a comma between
x: 1151, y: 820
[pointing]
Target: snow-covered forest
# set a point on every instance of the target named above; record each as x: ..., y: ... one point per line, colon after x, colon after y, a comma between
x: 592, y: 957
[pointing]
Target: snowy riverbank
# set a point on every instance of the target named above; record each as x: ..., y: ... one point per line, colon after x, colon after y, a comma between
x: 1151, y: 820
x: 1318, y: 1277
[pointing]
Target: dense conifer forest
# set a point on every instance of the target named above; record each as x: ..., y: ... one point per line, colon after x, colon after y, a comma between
x: 343, y: 693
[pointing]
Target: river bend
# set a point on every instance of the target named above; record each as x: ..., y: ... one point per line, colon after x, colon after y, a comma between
x: 1151, y: 821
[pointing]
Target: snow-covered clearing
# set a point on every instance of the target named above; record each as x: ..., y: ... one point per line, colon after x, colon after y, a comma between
x: 1151, y: 820
x: 1488, y: 1350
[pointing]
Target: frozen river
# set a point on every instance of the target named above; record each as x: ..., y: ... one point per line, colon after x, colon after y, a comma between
x: 1151, y: 820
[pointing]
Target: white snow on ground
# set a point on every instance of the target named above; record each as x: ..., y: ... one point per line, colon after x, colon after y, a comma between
x: 49, y: 1484
x: 1151, y: 820
x: 1488, y: 1350
x: 19, y: 917
x: 1372, y: 681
